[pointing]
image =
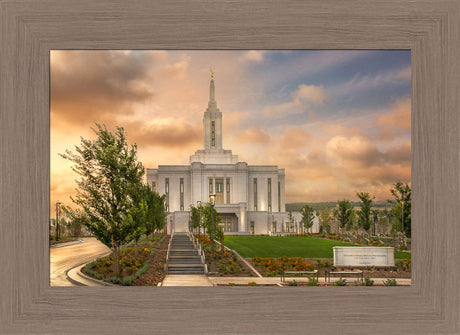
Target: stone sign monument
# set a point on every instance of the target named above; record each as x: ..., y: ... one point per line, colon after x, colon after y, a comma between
x: 364, y: 256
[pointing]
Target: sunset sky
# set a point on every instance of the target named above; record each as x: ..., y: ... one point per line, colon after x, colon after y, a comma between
x: 338, y: 122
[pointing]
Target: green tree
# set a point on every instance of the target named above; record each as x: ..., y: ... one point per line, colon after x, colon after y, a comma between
x: 364, y: 213
x: 138, y: 213
x: 290, y: 223
x: 308, y: 214
x: 343, y: 213
x: 156, y: 210
x: 324, y: 215
x: 195, y: 217
x: 109, y: 173
x: 75, y: 227
x: 206, y: 215
x: 402, y: 197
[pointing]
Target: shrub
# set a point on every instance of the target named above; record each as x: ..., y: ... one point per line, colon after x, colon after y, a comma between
x: 128, y: 280
x: 390, y: 282
x: 367, y: 282
x: 231, y: 284
x: 293, y: 283
x: 114, y: 279
x: 312, y: 281
x: 340, y: 282
x: 319, y: 264
x: 252, y: 283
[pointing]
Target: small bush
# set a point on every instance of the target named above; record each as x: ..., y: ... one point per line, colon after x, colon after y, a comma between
x: 252, y: 283
x: 312, y: 281
x: 390, y: 282
x: 99, y: 276
x: 319, y: 263
x: 231, y: 284
x: 367, y: 282
x: 128, y: 280
x: 293, y: 283
x: 340, y: 282
x: 114, y: 279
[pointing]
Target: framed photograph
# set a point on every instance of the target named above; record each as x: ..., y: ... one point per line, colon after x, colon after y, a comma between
x: 31, y: 30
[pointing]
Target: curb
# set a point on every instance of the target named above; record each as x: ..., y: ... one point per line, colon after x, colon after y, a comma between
x: 82, y: 275
x: 94, y: 280
x: 66, y: 244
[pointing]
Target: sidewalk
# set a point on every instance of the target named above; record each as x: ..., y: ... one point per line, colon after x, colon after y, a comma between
x: 277, y: 281
x: 186, y: 280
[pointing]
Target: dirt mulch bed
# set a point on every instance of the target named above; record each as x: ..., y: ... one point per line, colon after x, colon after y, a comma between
x: 155, y: 274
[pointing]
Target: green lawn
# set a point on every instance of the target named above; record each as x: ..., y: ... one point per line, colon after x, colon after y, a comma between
x: 289, y: 246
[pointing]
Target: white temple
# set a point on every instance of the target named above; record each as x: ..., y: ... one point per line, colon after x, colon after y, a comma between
x: 249, y: 198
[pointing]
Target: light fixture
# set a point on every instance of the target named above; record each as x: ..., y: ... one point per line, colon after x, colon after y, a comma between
x: 212, y: 199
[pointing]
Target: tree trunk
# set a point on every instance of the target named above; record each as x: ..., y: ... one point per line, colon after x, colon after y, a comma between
x: 115, y: 267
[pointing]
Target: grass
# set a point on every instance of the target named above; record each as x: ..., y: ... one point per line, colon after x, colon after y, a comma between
x: 289, y: 246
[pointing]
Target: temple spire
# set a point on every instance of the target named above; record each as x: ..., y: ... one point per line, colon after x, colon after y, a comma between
x: 212, y: 101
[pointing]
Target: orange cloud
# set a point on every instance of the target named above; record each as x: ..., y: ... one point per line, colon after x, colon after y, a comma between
x: 253, y: 134
x: 399, y: 118
x: 294, y: 137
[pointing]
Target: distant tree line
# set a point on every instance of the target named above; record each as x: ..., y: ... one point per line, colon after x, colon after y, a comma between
x: 348, y: 217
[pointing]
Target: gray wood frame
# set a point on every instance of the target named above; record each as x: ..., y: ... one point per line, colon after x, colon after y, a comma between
x: 29, y: 29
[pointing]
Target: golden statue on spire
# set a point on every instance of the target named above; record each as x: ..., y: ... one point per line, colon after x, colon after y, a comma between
x: 212, y: 74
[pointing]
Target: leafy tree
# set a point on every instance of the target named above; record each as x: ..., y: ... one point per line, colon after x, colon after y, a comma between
x: 195, y: 217
x: 343, y: 213
x: 109, y: 173
x: 206, y: 214
x: 325, y: 215
x: 138, y: 214
x: 75, y: 227
x: 307, y: 216
x: 156, y: 210
x: 290, y: 223
x: 364, y: 213
x: 402, y: 197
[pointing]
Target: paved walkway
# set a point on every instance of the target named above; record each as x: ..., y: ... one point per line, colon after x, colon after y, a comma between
x: 202, y: 280
x: 65, y: 258
x: 186, y: 280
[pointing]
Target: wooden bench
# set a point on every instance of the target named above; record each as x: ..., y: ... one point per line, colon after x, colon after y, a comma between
x: 314, y: 272
x: 327, y: 276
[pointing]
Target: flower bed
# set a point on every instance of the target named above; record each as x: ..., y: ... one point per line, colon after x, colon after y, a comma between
x: 132, y: 264
x: 271, y: 267
x: 227, y: 263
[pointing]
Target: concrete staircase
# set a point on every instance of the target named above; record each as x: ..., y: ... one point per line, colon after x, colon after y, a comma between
x: 183, y: 257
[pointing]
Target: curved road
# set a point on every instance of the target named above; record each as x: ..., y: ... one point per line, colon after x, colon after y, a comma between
x: 67, y: 257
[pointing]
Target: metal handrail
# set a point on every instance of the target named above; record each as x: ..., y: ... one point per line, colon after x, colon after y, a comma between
x: 167, y: 254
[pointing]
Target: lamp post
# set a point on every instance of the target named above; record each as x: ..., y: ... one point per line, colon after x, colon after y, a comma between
x: 375, y: 220
x: 58, y: 214
x: 198, y: 204
x: 212, y: 199
x: 402, y: 222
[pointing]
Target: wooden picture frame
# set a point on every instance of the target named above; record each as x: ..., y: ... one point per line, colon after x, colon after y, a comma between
x: 29, y: 29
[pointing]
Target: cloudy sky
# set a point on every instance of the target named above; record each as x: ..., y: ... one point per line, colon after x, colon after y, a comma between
x: 337, y: 121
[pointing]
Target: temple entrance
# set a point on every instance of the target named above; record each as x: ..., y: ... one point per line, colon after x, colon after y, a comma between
x: 229, y: 222
x: 219, y: 191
